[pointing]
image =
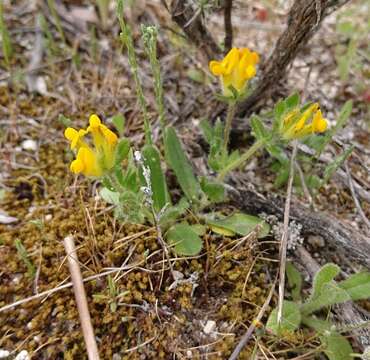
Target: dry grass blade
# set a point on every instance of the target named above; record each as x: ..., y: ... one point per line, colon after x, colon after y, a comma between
x: 285, y: 236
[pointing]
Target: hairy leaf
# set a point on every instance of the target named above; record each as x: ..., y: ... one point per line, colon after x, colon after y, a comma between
x: 179, y: 163
x: 290, y: 321
x: 184, y: 239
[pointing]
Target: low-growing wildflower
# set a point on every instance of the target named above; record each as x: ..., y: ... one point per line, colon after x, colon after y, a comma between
x: 236, y: 68
x: 296, y: 124
x: 92, y: 160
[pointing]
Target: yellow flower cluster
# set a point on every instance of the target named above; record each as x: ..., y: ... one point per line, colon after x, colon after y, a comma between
x: 97, y: 160
x: 237, y: 67
x: 295, y: 124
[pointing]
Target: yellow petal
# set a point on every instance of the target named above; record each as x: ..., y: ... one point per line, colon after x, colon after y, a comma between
x: 231, y: 60
x: 70, y: 133
x: 77, y: 166
x: 109, y: 135
x: 319, y: 124
x: 250, y: 72
x: 255, y: 58
x: 216, y: 68
x: 94, y: 121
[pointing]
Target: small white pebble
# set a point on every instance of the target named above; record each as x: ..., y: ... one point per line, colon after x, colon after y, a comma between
x: 29, y: 144
x: 23, y: 355
x: 4, y: 354
x: 210, y: 327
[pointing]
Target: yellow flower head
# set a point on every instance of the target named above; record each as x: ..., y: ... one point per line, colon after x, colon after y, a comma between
x: 295, y: 124
x: 236, y: 68
x: 99, y: 159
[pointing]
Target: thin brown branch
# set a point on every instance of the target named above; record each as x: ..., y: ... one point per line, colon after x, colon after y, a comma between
x: 305, y: 17
x: 190, y: 21
x: 343, y: 237
x: 354, y: 196
x: 228, y: 25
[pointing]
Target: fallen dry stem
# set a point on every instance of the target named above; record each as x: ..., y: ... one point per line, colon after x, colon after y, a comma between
x: 285, y: 236
x: 81, y: 300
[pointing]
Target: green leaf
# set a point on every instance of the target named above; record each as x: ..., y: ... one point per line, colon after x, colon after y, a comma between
x: 337, y: 347
x: 294, y: 281
x: 184, y: 239
x: 290, y: 321
x: 330, y: 294
x: 65, y: 121
x: 119, y: 123
x: 199, y: 229
x: 325, y: 275
x: 239, y: 223
x: 279, y: 111
x: 111, y: 197
x: 292, y: 102
x: 207, y: 130
x: 152, y: 160
x: 282, y: 175
x: 196, y: 75
x: 172, y: 213
x: 334, y: 165
x: 259, y: 131
x: 131, y: 207
x: 179, y: 163
x: 357, y: 286
x: 214, y: 190
x: 122, y: 150
x: 325, y: 291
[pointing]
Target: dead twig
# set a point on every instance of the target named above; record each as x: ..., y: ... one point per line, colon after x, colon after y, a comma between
x: 343, y: 237
x: 81, y: 300
x: 305, y: 17
x: 285, y: 236
x: 228, y: 25
x: 354, y: 196
x: 183, y: 15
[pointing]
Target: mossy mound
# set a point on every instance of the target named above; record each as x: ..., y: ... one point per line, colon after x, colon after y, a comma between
x: 146, y: 316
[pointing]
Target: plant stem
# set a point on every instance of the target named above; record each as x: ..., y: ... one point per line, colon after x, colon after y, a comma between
x: 229, y: 118
x: 243, y: 158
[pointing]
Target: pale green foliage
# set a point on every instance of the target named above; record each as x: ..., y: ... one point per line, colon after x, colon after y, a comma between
x: 54, y: 14
x: 184, y: 239
x: 6, y: 43
x: 112, y: 295
x: 50, y: 43
x: 119, y: 122
x: 291, y: 319
x: 103, y: 7
x: 23, y: 254
x: 150, y: 34
x: 127, y: 40
x: 239, y: 223
x: 295, y: 281
x: 325, y: 293
x: 179, y: 163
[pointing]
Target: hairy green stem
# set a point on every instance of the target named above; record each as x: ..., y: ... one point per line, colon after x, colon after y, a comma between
x: 242, y: 159
x: 229, y: 118
x: 127, y: 40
